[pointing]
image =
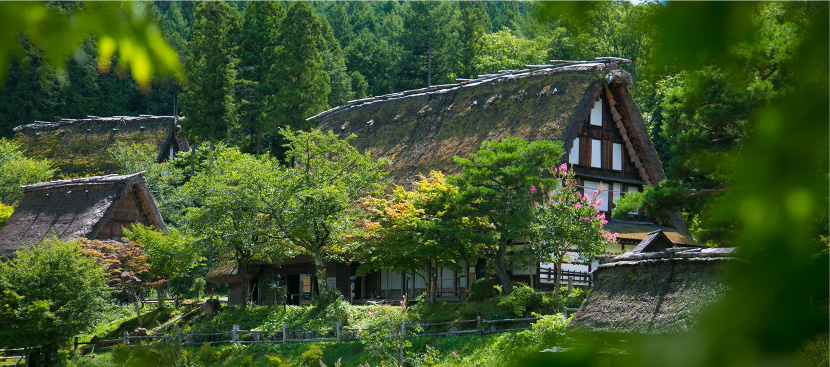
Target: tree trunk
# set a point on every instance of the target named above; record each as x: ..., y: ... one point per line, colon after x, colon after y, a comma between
x: 137, y: 308
x: 481, y: 268
x: 242, y: 270
x: 557, y: 281
x: 160, y: 294
x: 319, y: 272
x: 506, y: 282
x: 433, y: 284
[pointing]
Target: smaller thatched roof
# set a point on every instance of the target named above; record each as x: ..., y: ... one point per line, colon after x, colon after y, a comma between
x: 632, y: 230
x: 77, y: 146
x: 652, y: 292
x: 226, y: 270
x: 70, y: 209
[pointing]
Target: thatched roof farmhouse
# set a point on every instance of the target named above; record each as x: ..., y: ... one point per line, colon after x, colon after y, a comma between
x: 657, y: 288
x: 584, y: 104
x: 93, y: 207
x: 80, y: 145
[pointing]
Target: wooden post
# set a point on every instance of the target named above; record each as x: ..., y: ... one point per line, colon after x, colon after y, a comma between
x: 478, y: 323
x: 565, y: 311
x: 570, y: 284
x: 339, y: 331
x: 75, y: 345
x: 284, y: 332
x: 400, y: 343
x: 235, y: 333
x: 126, y: 341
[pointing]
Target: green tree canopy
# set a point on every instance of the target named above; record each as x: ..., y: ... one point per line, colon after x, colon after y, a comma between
x: 302, y: 85
x: 209, y: 101
x: 49, y: 293
x: 496, y: 183
x: 17, y: 170
x: 315, y: 206
x: 409, y: 231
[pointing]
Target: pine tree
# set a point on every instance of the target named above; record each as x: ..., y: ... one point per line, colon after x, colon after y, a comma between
x: 334, y: 64
x: 260, y: 29
x: 302, y: 86
x: 209, y: 103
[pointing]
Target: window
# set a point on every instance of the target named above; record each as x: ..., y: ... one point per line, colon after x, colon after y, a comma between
x: 573, y: 158
x: 616, y: 155
x: 596, y: 153
x: 633, y: 189
x: 591, y: 186
x: 617, y: 192
x: 596, y: 113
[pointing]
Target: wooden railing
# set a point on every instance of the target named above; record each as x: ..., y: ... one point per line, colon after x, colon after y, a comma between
x: 548, y: 275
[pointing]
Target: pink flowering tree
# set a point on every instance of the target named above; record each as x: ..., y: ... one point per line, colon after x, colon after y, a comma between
x: 567, y: 221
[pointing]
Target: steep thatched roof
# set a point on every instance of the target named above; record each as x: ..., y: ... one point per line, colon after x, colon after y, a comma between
x: 70, y: 209
x: 423, y: 129
x: 80, y: 145
x: 652, y: 292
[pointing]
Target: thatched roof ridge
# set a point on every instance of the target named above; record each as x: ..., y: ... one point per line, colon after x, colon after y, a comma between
x: 112, y: 120
x: 652, y: 292
x: 70, y: 209
x: 424, y: 128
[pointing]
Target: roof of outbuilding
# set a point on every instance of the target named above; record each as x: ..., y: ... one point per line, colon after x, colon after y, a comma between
x: 70, y: 209
x: 652, y: 292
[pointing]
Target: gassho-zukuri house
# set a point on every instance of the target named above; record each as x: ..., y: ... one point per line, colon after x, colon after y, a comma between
x: 584, y: 104
x: 97, y: 208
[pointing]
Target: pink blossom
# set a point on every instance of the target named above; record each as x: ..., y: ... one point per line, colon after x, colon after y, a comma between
x: 569, y: 261
x: 359, y: 329
x: 536, y: 204
x: 603, y: 222
x: 563, y: 167
x: 585, y: 197
x: 596, y: 192
x: 578, y: 205
x: 533, y: 189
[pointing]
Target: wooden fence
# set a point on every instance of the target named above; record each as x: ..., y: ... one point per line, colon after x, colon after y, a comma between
x: 16, y: 356
x: 338, y: 333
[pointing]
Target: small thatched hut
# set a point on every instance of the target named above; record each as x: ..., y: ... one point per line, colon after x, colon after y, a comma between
x: 80, y: 145
x: 657, y: 288
x: 97, y: 207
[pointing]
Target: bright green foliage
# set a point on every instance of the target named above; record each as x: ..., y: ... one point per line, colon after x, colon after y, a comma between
x: 230, y: 197
x: 312, y: 355
x: 260, y: 28
x: 315, y: 207
x: 566, y: 221
x: 5, y: 212
x: 521, y: 301
x: 209, y: 102
x: 496, y: 183
x: 503, y: 50
x: 49, y: 293
x: 410, y: 231
x: 17, y: 170
x: 171, y: 254
x: 302, y: 85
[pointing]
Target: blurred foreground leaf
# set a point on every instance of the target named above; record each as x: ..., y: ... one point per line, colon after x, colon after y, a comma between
x: 123, y: 29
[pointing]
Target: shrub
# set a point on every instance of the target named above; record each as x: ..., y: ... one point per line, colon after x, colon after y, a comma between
x: 482, y: 289
x: 522, y: 300
x: 277, y: 361
x: 575, y: 298
x: 312, y: 356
